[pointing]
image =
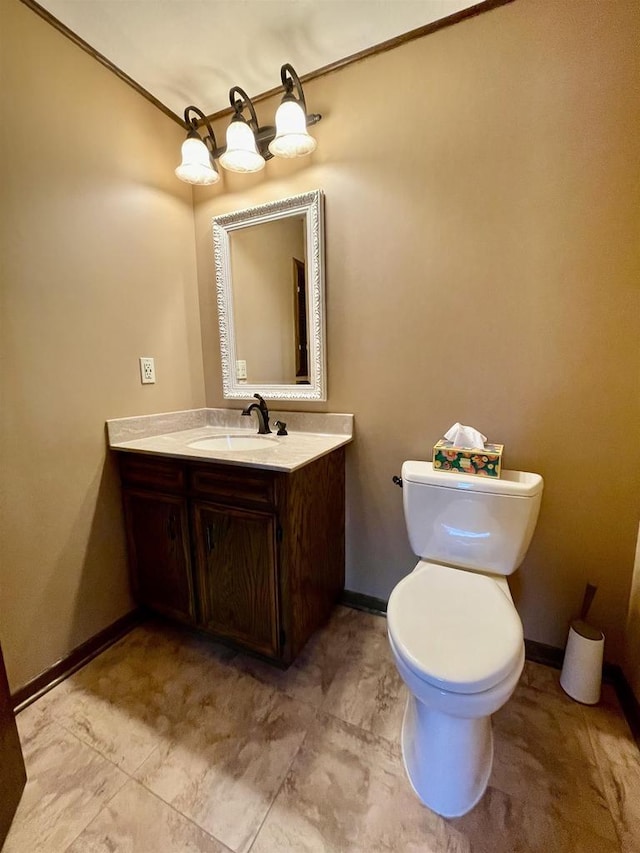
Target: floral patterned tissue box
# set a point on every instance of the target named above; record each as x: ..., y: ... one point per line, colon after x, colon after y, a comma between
x: 484, y: 462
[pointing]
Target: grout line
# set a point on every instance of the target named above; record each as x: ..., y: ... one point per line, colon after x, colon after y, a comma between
x: 59, y: 723
x: 144, y: 761
x: 176, y: 809
x: 99, y: 812
x: 182, y: 814
x: 106, y: 757
x: 97, y: 752
x: 282, y: 783
x: 56, y: 725
x: 393, y: 745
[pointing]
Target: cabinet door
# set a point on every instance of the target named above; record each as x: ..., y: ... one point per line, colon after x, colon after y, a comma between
x: 236, y: 554
x: 158, y: 535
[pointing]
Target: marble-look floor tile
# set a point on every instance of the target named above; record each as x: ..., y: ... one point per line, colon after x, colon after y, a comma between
x: 545, y: 755
x: 547, y: 679
x: 562, y: 787
x: 135, y: 821
x: 622, y: 786
x: 346, y: 792
x: 32, y: 721
x: 610, y: 734
x: 609, y: 731
x: 503, y: 824
x: 108, y: 727
x: 309, y: 677
x: 542, y: 724
x: 217, y: 733
x: 367, y: 690
x: 67, y: 785
x: 123, y: 701
x: 228, y: 758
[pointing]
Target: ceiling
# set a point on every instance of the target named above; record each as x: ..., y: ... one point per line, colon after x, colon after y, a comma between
x: 192, y: 51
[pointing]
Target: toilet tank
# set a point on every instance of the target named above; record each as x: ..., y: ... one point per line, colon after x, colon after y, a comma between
x: 475, y: 523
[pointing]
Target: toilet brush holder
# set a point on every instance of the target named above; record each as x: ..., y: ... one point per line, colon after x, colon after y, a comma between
x: 581, y: 675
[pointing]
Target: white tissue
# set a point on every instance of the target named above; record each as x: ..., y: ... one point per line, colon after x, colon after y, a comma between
x: 465, y: 436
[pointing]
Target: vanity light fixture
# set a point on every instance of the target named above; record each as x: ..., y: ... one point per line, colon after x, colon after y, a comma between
x: 241, y: 154
x: 197, y: 166
x: 292, y: 138
x: 248, y: 145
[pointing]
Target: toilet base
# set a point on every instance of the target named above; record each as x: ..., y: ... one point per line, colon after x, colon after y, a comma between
x: 447, y: 759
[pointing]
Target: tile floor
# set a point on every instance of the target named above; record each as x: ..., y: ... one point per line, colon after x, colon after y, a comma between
x: 171, y: 744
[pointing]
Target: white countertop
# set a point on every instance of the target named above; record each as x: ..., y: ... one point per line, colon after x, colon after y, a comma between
x: 310, y: 436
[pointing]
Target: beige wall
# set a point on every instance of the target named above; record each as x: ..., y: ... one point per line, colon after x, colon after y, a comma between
x: 482, y: 207
x: 482, y: 265
x: 98, y: 269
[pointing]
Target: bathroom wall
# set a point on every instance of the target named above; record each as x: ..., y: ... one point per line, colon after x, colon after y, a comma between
x: 482, y: 205
x: 482, y: 228
x: 98, y: 268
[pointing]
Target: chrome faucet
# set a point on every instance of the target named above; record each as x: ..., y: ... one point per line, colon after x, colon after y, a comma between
x: 261, y: 410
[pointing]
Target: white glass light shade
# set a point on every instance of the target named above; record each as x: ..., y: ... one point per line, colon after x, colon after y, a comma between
x: 241, y: 154
x: 196, y: 167
x: 292, y: 138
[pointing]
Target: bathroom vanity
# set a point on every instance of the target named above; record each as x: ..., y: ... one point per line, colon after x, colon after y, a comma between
x: 246, y: 545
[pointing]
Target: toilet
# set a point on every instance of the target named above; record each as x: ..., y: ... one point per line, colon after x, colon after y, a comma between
x: 454, y: 632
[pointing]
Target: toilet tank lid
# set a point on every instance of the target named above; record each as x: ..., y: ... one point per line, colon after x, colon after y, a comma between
x: 520, y: 483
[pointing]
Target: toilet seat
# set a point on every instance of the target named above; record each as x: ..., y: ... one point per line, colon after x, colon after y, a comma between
x: 455, y: 629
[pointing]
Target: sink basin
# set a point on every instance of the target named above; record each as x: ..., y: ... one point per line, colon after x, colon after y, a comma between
x: 230, y: 443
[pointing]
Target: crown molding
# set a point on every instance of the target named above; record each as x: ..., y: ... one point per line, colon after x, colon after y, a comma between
x: 382, y: 47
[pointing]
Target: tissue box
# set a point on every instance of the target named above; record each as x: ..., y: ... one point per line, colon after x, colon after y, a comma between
x: 483, y: 462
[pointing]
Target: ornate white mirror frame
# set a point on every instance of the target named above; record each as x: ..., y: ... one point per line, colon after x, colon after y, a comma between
x: 309, y: 208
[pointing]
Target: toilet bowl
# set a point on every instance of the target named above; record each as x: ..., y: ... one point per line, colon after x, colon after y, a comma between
x: 454, y: 632
x: 457, y: 674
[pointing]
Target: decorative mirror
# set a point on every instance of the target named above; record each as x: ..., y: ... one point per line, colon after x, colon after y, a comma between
x: 270, y: 287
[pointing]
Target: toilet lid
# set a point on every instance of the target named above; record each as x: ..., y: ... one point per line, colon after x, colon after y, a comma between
x: 455, y: 629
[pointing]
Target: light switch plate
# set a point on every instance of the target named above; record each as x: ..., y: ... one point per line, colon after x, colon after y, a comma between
x: 147, y: 370
x: 241, y: 368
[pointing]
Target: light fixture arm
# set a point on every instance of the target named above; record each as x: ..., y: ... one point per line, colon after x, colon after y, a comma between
x: 192, y: 124
x: 290, y: 80
x: 239, y: 100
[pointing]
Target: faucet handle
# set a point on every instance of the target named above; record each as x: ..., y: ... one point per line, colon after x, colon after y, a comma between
x: 282, y: 428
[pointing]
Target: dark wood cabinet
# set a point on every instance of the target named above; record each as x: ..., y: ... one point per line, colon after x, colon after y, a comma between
x: 158, y: 542
x: 253, y: 557
x: 235, y: 552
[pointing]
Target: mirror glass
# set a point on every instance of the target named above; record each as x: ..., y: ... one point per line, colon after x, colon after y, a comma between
x: 270, y: 288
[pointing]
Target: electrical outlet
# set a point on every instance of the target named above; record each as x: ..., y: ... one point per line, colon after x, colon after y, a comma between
x: 147, y: 371
x: 241, y: 368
